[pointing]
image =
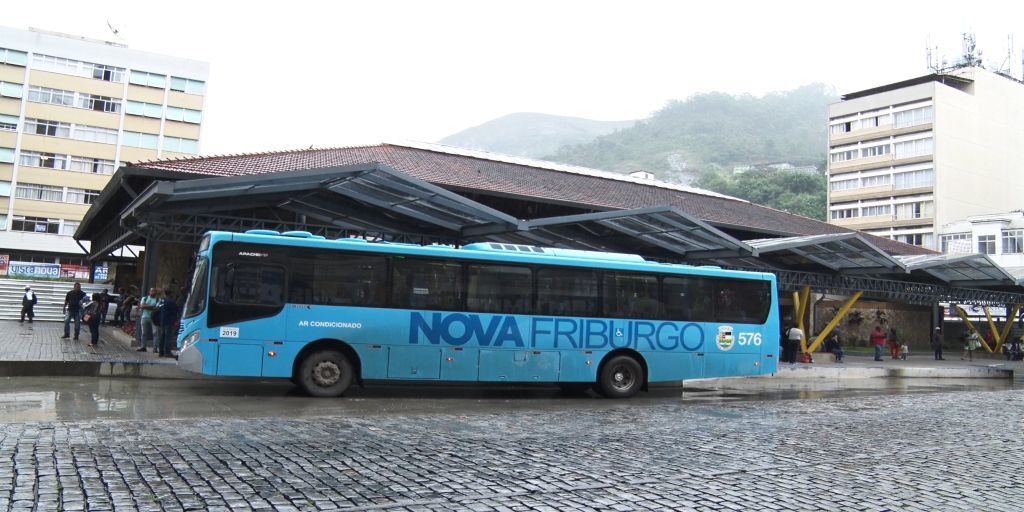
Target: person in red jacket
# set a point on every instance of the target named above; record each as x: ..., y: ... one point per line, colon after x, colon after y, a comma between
x: 894, y: 343
x: 878, y: 340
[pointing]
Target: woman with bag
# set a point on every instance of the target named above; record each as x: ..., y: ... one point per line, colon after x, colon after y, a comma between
x: 972, y: 343
x: 92, y: 319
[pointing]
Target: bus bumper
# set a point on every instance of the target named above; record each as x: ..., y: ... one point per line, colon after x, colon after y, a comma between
x: 191, y: 359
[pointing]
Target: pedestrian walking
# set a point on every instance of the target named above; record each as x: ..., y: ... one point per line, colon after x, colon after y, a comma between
x: 793, y: 336
x: 904, y: 350
x: 878, y: 340
x: 972, y: 343
x: 28, y: 303
x: 168, y: 324
x: 148, y: 305
x: 937, y: 344
x: 105, y: 299
x: 91, y: 316
x: 894, y: 343
x: 73, y: 310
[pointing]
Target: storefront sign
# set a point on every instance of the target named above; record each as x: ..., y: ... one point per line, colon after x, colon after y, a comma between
x: 100, y: 273
x: 74, y: 271
x: 24, y: 269
x: 4, y: 260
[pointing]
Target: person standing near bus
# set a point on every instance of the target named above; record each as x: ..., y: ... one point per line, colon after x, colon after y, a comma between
x: 894, y: 343
x: 937, y: 344
x: 148, y: 305
x: 878, y: 340
x: 168, y: 323
x: 793, y: 338
x: 73, y: 310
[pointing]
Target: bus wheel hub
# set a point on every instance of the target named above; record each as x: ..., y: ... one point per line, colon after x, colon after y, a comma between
x: 326, y: 373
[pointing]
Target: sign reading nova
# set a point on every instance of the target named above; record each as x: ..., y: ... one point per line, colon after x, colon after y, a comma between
x: 327, y: 313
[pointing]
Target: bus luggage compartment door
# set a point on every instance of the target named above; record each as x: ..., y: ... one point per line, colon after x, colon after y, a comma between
x: 519, y: 365
x: 414, y: 363
x: 240, y: 360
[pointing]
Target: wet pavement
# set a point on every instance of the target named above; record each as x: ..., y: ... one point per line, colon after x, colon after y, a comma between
x: 42, y: 341
x: 132, y: 444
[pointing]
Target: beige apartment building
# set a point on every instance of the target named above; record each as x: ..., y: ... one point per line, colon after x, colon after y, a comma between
x: 72, y: 110
x: 908, y: 157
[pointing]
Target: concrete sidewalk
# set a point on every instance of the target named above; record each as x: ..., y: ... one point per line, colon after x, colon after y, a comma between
x: 37, y: 349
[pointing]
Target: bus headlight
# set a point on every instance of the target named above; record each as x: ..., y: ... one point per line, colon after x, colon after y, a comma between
x: 190, y: 339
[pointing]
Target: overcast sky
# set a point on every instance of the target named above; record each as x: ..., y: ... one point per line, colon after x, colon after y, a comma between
x: 287, y: 75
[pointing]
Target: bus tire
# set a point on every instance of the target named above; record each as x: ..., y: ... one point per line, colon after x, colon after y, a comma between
x: 620, y: 377
x: 325, y: 373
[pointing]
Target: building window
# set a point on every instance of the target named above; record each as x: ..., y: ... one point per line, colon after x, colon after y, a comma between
x: 882, y: 209
x: 910, y: 148
x: 5, y: 189
x: 844, y: 185
x: 6, y: 155
x: 138, y: 108
x: 875, y: 181
x: 48, y: 160
x: 148, y: 79
x: 875, y: 151
x: 955, y: 243
x: 918, y: 239
x: 81, y: 196
x: 913, y: 117
x: 99, y: 103
x: 3, y: 221
x: 35, y: 224
x: 187, y: 85
x: 51, y: 96
x: 874, y: 121
x: 919, y: 210
x: 93, y: 165
x: 846, y: 213
x: 8, y: 123
x: 11, y: 90
x: 185, y: 115
x: 841, y: 128
x: 48, y: 128
x: 68, y: 227
x: 140, y: 140
x: 1013, y: 241
x: 843, y: 156
x: 39, y: 192
x: 94, y: 134
x: 13, y: 57
x: 181, y: 145
x: 78, y: 68
x: 914, y: 179
x: 987, y: 244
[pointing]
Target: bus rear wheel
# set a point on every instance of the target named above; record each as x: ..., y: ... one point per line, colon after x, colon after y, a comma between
x: 325, y: 373
x: 620, y: 377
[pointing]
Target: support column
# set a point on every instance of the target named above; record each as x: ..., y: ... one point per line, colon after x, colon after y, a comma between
x: 150, y: 265
x: 834, y: 322
x: 971, y: 327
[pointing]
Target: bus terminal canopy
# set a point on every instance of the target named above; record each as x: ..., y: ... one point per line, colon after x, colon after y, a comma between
x: 428, y: 195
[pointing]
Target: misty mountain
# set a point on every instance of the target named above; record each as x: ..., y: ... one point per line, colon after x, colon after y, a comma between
x: 532, y: 135
x: 715, y: 131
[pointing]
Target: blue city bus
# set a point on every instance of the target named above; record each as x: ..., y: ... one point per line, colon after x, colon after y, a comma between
x: 328, y: 313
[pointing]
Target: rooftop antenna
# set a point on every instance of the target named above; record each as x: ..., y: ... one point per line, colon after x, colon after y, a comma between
x: 971, y: 56
x: 115, y: 31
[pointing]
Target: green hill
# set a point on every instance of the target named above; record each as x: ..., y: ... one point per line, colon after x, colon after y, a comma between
x: 532, y: 135
x: 715, y: 131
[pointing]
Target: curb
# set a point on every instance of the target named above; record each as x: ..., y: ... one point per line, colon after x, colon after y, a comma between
x: 132, y: 369
x: 812, y: 373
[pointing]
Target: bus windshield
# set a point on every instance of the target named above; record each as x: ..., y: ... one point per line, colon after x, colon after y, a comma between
x: 197, y: 293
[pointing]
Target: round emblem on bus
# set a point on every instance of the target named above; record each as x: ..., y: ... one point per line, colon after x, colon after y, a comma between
x: 725, y: 338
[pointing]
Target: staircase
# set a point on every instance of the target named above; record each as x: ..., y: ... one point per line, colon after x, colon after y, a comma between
x: 50, y: 294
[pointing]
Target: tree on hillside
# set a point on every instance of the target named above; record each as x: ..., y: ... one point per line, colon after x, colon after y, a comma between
x: 801, y: 193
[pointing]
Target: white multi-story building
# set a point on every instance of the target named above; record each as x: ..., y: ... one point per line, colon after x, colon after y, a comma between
x: 909, y: 157
x: 999, y: 235
x: 72, y: 110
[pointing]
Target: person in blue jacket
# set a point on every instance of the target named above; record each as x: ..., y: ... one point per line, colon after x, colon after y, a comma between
x: 168, y: 324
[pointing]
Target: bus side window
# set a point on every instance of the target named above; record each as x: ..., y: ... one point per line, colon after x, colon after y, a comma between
x: 567, y: 292
x: 426, y: 284
x: 688, y: 298
x: 498, y: 289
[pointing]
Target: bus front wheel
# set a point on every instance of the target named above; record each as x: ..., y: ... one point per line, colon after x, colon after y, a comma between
x: 325, y: 373
x: 620, y: 377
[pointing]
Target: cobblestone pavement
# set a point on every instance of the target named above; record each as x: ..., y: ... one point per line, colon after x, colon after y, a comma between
x: 931, y: 451
x: 41, y: 341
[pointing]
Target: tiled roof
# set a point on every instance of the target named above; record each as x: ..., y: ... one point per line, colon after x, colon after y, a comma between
x: 446, y: 167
